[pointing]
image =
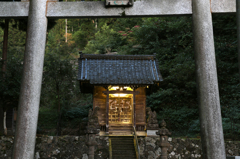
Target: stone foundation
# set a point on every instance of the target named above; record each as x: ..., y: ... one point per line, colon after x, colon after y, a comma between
x: 64, y: 147
x: 75, y: 147
x: 180, y: 148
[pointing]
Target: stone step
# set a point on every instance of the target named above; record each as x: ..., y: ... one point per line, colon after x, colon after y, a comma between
x: 120, y: 130
x: 118, y: 142
x: 122, y: 137
x: 124, y: 157
x: 130, y: 151
x: 122, y: 142
x: 123, y: 147
x: 116, y: 126
x: 120, y: 133
x: 120, y: 124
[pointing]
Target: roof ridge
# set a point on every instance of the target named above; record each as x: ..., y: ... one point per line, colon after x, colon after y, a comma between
x: 117, y: 57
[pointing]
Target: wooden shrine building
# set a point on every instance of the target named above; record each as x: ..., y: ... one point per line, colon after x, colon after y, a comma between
x: 119, y: 84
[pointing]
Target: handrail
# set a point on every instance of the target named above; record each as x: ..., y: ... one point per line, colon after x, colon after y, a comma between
x: 110, y: 148
x: 137, y: 149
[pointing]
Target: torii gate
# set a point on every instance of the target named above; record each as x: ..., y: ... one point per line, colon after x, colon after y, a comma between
x: 38, y: 11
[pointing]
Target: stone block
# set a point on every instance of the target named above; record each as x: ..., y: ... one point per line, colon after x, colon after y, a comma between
x: 152, y: 132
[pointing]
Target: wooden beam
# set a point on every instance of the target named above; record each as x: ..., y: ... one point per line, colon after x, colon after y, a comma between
x: 120, y: 92
x: 143, y: 8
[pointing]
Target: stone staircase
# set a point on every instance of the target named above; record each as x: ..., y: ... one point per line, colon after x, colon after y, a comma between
x: 122, y: 147
x: 118, y: 129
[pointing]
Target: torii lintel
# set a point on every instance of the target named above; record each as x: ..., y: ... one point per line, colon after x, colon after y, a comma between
x: 143, y: 8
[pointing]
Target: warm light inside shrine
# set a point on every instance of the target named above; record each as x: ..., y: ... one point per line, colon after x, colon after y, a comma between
x: 114, y: 88
x: 120, y: 95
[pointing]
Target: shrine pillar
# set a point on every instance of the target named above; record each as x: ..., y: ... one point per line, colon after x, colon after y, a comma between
x: 25, y: 136
x: 107, y: 112
x: 207, y: 82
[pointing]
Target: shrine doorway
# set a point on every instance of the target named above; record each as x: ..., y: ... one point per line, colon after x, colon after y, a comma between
x: 120, y: 109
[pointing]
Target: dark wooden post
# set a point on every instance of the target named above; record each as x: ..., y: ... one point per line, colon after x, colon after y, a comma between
x: 3, y: 129
x: 5, y: 46
x: 134, y: 110
x: 107, y: 111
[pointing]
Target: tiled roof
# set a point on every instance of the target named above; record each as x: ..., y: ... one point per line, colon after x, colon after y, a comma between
x: 119, y: 69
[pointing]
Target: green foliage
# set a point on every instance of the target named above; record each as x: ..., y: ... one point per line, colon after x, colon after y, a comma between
x: 229, y: 87
x: 47, y: 118
x: 10, y: 83
x: 170, y: 38
x: 84, y: 33
x: 176, y: 100
x: 106, y: 40
x: 77, y: 112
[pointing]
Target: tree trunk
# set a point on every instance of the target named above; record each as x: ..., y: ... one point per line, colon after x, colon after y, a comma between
x: 1, y: 121
x: 66, y: 30
x: 4, y: 68
x: 59, y: 112
x: 96, y: 23
x: 4, y: 122
x: 5, y: 45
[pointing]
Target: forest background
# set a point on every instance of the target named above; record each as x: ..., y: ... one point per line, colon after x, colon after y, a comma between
x: 63, y: 107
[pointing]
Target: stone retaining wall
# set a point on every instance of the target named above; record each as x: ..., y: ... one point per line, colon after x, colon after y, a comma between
x: 180, y: 148
x: 64, y: 147
x: 75, y: 147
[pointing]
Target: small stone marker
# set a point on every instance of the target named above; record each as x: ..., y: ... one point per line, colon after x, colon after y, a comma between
x: 152, y: 122
x: 119, y: 2
x: 163, y: 143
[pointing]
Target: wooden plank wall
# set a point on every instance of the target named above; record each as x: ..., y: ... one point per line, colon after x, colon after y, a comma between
x: 141, y: 106
x: 99, y: 100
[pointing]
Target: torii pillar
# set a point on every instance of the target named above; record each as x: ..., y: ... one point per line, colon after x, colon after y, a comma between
x: 207, y: 82
x: 25, y: 136
x: 208, y: 93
